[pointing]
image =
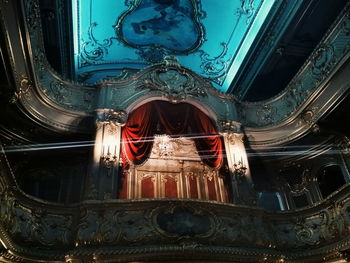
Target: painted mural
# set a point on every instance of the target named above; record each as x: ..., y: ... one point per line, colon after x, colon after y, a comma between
x: 170, y: 24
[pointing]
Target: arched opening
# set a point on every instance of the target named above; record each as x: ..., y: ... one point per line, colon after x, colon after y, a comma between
x: 270, y: 200
x: 172, y: 151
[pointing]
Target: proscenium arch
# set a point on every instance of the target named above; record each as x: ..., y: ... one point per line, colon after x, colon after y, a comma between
x: 207, y: 110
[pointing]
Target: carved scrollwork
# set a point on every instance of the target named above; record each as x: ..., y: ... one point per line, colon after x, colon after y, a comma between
x: 267, y: 113
x: 215, y: 67
x: 34, y: 225
x: 25, y: 86
x: 118, y: 117
x: 309, y: 117
x: 92, y: 50
x: 113, y: 117
x: 333, y: 224
x: 164, y: 146
x: 323, y: 60
x: 173, y: 82
x: 297, y: 94
x: 304, y: 234
x: 233, y: 138
x: 60, y: 92
x: 96, y: 227
x: 345, y: 146
x: 247, y: 8
x: 136, y: 226
x: 184, y: 222
x: 320, y: 66
x: 33, y: 14
x: 230, y: 126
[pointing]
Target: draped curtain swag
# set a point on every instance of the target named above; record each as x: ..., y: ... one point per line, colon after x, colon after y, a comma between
x: 160, y: 117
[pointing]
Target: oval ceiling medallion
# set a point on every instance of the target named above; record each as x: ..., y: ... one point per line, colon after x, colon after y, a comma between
x: 170, y: 24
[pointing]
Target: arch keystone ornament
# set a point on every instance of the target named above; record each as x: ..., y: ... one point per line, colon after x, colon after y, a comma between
x: 173, y: 82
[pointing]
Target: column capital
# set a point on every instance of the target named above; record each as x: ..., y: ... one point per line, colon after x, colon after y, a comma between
x: 233, y: 138
x: 116, y: 117
x: 229, y: 126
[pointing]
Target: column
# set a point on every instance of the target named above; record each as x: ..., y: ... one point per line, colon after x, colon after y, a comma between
x: 241, y: 181
x: 104, y: 181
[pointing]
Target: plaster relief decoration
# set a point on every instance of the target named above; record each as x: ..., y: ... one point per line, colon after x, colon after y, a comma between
x: 32, y: 225
x: 184, y: 222
x: 92, y: 50
x: 215, y: 67
x: 308, y: 81
x: 173, y: 82
x: 114, y: 35
x: 25, y: 87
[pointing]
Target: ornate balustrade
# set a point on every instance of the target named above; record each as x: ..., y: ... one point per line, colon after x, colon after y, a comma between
x: 162, y: 228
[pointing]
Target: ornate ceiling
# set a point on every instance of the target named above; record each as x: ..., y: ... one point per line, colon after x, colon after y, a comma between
x: 212, y: 38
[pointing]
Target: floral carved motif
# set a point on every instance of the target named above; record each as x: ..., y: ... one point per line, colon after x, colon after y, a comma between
x: 173, y: 82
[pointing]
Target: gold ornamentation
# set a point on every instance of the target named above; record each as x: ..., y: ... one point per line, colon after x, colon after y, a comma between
x: 25, y: 86
x: 233, y: 138
x: 230, y: 126
x: 117, y: 117
x: 173, y: 82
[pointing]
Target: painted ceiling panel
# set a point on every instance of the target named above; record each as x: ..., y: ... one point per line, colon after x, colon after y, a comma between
x: 210, y: 37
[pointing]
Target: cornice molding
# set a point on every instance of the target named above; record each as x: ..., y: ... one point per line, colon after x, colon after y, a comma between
x: 284, y: 14
x: 330, y: 55
x: 305, y: 118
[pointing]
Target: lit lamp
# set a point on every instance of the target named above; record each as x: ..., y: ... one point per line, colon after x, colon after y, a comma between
x: 110, y: 145
x: 108, y: 137
x: 237, y: 161
x: 240, y: 170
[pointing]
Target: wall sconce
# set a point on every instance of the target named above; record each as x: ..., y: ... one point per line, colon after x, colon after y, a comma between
x: 110, y: 146
x: 108, y: 137
x: 109, y: 159
x: 240, y: 170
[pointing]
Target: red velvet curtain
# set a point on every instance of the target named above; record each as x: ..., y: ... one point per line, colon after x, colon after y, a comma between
x: 208, y: 144
x: 137, y: 134
x: 175, y: 120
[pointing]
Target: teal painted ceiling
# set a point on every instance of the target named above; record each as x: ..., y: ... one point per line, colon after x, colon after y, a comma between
x: 211, y: 37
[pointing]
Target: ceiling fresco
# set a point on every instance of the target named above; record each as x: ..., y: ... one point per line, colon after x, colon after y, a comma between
x: 161, y: 23
x: 210, y: 37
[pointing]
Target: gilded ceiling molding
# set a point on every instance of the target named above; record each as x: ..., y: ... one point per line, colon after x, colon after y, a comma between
x: 38, y: 93
x: 331, y: 53
x: 321, y: 83
x: 279, y: 24
x: 305, y: 118
x: 215, y: 67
